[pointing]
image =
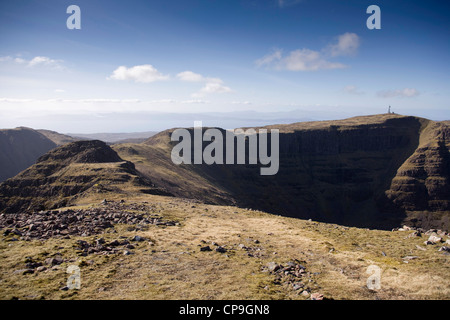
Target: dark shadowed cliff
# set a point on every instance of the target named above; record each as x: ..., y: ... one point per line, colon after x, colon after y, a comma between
x: 350, y: 172
x: 19, y: 149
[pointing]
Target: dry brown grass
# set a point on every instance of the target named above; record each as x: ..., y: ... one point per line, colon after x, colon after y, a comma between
x: 173, y: 267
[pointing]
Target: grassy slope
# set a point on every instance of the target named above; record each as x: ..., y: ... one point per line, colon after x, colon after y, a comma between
x: 173, y: 267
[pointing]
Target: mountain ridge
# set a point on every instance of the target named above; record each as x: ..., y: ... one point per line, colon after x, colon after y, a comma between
x: 337, y: 171
x: 69, y: 172
x: 352, y: 172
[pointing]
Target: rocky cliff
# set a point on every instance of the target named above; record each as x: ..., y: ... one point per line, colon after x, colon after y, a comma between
x: 354, y: 172
x: 422, y: 183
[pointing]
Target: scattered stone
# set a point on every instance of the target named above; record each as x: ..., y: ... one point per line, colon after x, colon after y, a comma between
x: 24, y: 271
x: 305, y: 293
x: 54, y: 261
x: 420, y: 248
x: 82, y: 222
x: 114, y: 243
x: 444, y: 248
x: 434, y: 238
x: 297, y: 285
x: 316, y: 296
x: 221, y: 249
x: 137, y: 238
x: 410, y: 258
x: 272, y: 266
x: 41, y: 268
x: 206, y: 248
x: 415, y: 234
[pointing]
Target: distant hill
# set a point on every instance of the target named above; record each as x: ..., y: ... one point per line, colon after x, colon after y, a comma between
x: 58, y: 138
x: 20, y: 148
x: 134, y: 137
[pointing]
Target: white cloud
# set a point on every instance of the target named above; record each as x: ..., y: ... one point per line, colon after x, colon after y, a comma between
x: 190, y: 76
x: 36, y: 61
x: 269, y: 58
x: 307, y: 60
x: 311, y: 60
x: 353, y: 90
x: 46, y: 61
x: 347, y: 45
x: 20, y: 60
x: 212, y: 85
x: 144, y: 74
x: 401, y: 93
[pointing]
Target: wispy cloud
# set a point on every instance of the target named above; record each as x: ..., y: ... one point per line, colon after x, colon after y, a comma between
x: 287, y: 3
x: 45, y: 61
x: 211, y: 85
x: 143, y: 73
x: 347, y: 45
x: 351, y: 89
x: 311, y: 60
x: 401, y: 93
x: 307, y: 60
x: 190, y: 76
x: 35, y: 62
x: 276, y: 55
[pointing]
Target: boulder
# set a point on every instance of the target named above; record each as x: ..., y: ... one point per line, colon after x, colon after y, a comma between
x: 273, y: 266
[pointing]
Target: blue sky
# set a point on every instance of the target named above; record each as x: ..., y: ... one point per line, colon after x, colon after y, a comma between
x: 145, y: 65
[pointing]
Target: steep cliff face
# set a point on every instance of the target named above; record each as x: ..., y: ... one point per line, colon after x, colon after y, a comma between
x: 422, y: 184
x: 19, y: 149
x: 344, y: 172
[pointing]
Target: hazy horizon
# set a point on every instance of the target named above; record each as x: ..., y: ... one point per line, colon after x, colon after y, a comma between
x: 163, y: 121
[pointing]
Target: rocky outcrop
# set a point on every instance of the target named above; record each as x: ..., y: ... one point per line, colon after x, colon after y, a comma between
x: 66, y: 173
x: 422, y: 184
